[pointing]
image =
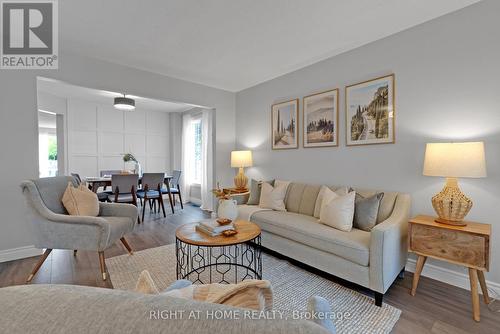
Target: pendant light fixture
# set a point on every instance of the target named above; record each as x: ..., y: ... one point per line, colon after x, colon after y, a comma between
x: 124, y: 103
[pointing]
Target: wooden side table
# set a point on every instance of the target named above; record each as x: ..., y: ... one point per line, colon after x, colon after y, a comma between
x: 468, y: 246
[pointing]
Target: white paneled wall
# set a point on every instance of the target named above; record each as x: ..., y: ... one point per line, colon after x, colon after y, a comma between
x: 99, y: 135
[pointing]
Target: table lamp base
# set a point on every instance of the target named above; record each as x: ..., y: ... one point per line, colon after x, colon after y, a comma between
x: 451, y: 204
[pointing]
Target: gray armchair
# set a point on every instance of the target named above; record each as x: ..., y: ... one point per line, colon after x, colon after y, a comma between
x: 54, y: 229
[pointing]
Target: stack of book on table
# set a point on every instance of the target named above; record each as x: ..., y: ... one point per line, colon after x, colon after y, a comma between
x: 212, y: 227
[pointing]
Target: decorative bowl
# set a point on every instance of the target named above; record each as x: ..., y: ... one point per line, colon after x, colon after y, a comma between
x: 229, y: 233
x: 224, y: 221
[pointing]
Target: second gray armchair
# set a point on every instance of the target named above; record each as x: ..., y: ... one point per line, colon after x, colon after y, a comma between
x: 53, y: 228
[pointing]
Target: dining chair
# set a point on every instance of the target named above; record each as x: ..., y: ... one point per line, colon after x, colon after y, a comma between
x: 54, y: 228
x: 77, y: 178
x: 101, y: 196
x: 124, y: 189
x: 174, y: 186
x: 109, y: 172
x: 151, y: 191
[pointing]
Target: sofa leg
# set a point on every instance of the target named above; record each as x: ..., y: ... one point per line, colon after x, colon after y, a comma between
x: 74, y: 252
x: 402, y: 273
x: 102, y: 264
x: 378, y: 298
x: 41, y: 260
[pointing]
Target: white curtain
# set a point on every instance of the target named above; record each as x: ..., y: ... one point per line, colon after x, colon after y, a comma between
x: 207, y: 200
x: 187, y: 155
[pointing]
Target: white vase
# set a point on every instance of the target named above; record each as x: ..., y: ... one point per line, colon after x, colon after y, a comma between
x: 227, y: 209
x: 138, y: 169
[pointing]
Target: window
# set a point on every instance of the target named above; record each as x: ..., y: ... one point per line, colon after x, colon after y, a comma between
x: 196, y: 168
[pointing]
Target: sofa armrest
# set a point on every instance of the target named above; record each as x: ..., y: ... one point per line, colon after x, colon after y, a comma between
x: 240, y: 198
x: 119, y: 210
x: 389, y: 246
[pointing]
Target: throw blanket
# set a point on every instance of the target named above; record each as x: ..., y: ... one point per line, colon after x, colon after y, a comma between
x: 245, y: 212
x: 251, y: 294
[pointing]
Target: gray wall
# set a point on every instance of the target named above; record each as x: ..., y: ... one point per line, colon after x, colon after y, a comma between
x: 447, y: 88
x: 19, y: 135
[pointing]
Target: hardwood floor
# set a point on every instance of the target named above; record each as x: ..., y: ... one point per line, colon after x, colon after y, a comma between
x: 437, y: 308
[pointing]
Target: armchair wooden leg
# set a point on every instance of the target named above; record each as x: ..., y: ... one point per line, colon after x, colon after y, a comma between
x: 127, y: 246
x: 102, y: 264
x: 42, y: 259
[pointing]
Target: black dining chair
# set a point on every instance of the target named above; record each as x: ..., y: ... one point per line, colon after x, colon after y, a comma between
x: 151, y: 191
x: 174, y: 186
x: 124, y: 189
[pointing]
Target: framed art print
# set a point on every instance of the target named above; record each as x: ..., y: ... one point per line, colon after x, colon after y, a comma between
x: 284, y: 117
x: 320, y: 119
x: 370, y: 112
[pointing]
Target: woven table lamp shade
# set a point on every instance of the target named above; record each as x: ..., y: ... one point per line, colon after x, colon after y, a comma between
x: 453, y: 160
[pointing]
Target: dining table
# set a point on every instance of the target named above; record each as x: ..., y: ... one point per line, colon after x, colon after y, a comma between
x: 95, y: 182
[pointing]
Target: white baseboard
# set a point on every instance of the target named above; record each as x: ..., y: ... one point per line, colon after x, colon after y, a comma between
x: 448, y: 276
x: 19, y: 253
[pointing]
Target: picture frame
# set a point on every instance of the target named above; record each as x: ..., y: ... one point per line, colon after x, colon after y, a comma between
x: 370, y: 112
x: 320, y: 119
x: 284, y: 125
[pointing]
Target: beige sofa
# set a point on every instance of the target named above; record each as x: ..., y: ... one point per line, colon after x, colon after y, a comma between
x: 65, y: 309
x: 371, y: 259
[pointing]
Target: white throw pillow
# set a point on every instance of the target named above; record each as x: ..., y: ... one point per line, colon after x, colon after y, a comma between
x: 319, y: 200
x: 273, y: 197
x: 338, y: 211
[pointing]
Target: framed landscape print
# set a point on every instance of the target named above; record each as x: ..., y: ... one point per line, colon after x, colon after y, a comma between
x: 284, y: 126
x: 320, y: 119
x: 370, y: 112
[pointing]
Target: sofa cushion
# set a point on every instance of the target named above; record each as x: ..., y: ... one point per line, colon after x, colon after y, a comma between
x: 353, y: 246
x: 80, y: 201
x: 337, y: 211
x: 274, y: 197
x: 301, y: 198
x: 386, y: 205
x: 366, y: 211
x: 255, y: 189
x: 319, y: 200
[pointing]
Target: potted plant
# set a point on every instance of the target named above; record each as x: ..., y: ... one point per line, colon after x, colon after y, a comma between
x: 129, y: 157
x: 227, y: 207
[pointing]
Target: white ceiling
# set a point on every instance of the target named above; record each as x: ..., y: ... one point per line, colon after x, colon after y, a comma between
x: 234, y: 44
x: 66, y: 90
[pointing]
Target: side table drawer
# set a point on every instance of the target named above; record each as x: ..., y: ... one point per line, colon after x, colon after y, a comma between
x: 452, y: 245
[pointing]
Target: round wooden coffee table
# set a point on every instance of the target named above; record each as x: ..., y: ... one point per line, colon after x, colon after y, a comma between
x: 205, y: 259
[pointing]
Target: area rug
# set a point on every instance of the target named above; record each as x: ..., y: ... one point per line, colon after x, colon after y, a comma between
x: 292, y: 286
